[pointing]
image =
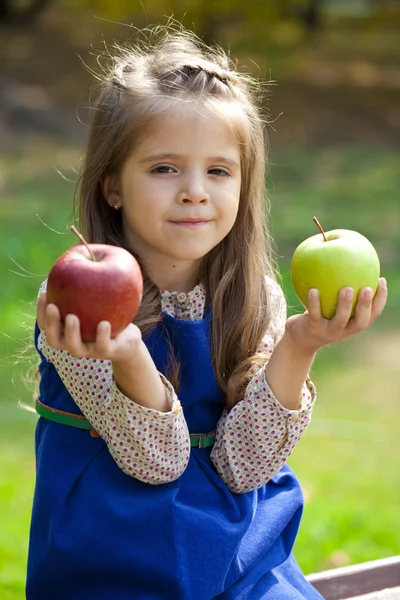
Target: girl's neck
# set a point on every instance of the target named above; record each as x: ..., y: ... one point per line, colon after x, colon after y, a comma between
x: 174, y: 277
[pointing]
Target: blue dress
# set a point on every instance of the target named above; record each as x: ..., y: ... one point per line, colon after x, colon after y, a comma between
x: 98, y: 533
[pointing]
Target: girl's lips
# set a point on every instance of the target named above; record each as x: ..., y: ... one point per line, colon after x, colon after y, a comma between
x: 190, y: 223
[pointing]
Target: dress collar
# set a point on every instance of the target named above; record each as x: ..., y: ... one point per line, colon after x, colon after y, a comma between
x: 186, y: 307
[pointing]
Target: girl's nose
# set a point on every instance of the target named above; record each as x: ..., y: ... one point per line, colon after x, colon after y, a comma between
x: 193, y: 192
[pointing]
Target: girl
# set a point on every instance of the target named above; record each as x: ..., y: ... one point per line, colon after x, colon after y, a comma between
x: 161, y: 453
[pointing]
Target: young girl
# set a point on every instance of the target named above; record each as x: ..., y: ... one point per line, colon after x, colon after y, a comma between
x: 161, y: 453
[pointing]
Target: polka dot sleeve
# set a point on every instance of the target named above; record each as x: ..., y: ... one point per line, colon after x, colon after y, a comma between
x: 256, y: 437
x: 146, y: 444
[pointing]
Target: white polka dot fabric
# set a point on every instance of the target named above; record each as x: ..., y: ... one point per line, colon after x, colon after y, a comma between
x: 253, y: 440
x: 186, y: 307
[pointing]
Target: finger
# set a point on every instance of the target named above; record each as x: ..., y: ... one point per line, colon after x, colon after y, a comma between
x: 72, y: 336
x: 41, y: 310
x: 314, y: 305
x: 53, y: 326
x: 103, y: 337
x: 362, y: 315
x: 379, y: 301
x: 344, y: 308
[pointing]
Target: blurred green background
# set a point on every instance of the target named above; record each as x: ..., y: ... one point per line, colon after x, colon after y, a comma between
x: 334, y: 105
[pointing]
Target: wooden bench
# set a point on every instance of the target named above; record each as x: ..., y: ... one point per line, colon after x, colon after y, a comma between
x: 376, y: 580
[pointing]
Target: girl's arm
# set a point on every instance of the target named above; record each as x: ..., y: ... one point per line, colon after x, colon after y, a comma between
x: 132, y: 406
x: 257, y: 436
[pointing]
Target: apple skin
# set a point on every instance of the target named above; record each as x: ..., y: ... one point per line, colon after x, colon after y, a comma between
x: 107, y: 289
x: 346, y: 259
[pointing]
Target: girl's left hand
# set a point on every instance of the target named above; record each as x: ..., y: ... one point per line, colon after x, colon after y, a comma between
x: 310, y: 331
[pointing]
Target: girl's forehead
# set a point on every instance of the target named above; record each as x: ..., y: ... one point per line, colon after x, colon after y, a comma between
x: 189, y: 124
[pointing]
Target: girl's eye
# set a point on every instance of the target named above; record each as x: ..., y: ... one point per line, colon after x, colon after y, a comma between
x: 163, y: 169
x: 219, y: 172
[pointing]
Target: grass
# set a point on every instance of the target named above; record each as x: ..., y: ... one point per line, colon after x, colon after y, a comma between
x: 348, y: 460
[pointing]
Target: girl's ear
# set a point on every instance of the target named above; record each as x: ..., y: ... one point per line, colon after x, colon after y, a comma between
x: 112, y: 191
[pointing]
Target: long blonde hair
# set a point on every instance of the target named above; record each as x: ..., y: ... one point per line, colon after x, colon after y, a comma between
x: 138, y: 84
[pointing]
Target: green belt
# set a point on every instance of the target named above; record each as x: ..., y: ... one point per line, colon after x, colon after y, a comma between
x: 197, y: 440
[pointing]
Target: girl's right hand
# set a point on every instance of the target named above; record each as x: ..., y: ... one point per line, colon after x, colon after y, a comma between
x: 121, y: 348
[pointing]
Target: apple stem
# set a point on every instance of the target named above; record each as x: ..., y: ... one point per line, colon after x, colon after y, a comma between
x: 84, y: 242
x: 318, y: 224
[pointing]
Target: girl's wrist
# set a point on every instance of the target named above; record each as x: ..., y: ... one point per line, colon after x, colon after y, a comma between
x: 136, y: 354
x: 139, y: 380
x: 297, y: 347
x: 287, y: 370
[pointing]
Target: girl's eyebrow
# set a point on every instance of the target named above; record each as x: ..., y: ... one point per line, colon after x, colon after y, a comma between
x: 217, y: 159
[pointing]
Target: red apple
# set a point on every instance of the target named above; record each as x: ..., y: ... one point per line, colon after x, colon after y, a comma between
x: 108, y: 288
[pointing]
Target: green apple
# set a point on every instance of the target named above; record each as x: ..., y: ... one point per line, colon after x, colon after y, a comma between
x: 331, y: 261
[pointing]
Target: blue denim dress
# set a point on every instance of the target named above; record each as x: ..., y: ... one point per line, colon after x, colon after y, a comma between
x: 98, y: 533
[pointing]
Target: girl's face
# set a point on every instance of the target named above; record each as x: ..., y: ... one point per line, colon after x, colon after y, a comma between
x: 179, y: 193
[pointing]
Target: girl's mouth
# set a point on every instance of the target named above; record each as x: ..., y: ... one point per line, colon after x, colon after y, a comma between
x: 190, y: 223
